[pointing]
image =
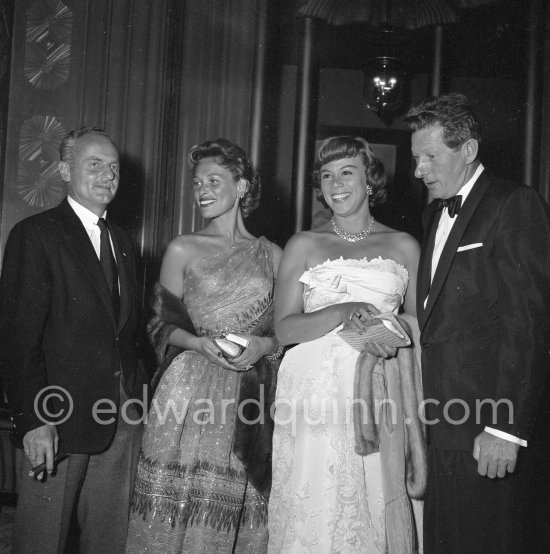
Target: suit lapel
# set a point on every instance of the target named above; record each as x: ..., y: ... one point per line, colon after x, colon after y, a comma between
x: 125, y: 278
x: 78, y: 242
x: 449, y: 250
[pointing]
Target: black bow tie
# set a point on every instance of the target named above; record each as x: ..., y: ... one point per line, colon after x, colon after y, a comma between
x: 452, y: 204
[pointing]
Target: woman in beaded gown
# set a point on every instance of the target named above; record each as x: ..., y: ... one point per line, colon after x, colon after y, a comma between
x: 325, y: 497
x: 204, y: 471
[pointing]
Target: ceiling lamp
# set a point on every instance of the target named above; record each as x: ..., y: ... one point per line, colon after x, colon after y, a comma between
x: 385, y: 86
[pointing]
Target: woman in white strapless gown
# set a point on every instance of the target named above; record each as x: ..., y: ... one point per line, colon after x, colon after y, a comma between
x: 325, y: 497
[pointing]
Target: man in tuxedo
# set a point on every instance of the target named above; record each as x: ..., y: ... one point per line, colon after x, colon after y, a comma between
x: 68, y: 318
x: 483, y: 305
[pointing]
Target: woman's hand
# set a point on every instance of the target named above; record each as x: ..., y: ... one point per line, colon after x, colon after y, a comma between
x: 208, y: 349
x: 352, y: 312
x: 257, y: 347
x: 353, y: 316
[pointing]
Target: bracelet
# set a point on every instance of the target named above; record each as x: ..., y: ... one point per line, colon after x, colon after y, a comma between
x: 277, y: 353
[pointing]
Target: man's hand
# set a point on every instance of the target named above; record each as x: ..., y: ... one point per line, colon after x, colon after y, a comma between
x: 495, y: 456
x: 40, y: 445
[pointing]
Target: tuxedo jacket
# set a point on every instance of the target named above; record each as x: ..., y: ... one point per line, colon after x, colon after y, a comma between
x: 58, y: 329
x: 485, y: 329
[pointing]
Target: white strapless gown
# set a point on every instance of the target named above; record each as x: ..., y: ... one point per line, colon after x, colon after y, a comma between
x: 326, y: 498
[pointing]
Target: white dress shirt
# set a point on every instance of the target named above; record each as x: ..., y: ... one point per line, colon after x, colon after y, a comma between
x: 443, y: 231
x: 446, y: 223
x: 89, y: 220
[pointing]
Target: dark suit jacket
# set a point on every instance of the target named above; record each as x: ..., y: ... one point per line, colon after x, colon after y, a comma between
x: 58, y: 328
x: 486, y: 327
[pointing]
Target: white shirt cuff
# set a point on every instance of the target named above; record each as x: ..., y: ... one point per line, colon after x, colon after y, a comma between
x: 505, y: 436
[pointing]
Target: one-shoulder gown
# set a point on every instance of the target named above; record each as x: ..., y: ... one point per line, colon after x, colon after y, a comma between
x: 192, y: 494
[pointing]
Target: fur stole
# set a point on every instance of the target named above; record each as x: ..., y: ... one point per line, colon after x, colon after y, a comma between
x: 403, y: 389
x: 386, y: 418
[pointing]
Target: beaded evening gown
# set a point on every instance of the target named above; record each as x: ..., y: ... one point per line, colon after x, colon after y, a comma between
x: 325, y: 497
x: 192, y: 493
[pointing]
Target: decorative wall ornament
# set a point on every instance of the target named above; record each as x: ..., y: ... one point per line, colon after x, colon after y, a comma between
x: 40, y: 187
x: 48, y: 50
x: 40, y: 136
x: 47, y: 67
x: 38, y: 180
x: 49, y: 20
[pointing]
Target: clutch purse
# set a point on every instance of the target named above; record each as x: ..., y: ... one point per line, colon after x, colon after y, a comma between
x: 381, y: 328
x: 231, y: 345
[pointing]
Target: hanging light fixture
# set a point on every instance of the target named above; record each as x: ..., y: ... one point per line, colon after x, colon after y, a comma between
x: 386, y: 78
x: 385, y: 87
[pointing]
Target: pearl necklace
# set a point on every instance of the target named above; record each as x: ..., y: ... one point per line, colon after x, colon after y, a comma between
x: 353, y: 237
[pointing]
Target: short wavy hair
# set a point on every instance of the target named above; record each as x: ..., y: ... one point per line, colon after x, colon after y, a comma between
x: 67, y: 146
x: 337, y: 148
x: 233, y: 158
x: 453, y: 112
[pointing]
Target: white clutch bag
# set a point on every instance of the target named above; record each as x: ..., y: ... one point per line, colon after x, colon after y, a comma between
x: 231, y: 345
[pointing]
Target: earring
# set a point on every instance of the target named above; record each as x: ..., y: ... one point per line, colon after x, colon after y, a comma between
x: 240, y: 195
x: 369, y: 190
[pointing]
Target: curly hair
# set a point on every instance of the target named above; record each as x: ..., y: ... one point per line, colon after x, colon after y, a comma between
x: 452, y: 112
x: 233, y: 158
x: 67, y: 146
x: 336, y: 148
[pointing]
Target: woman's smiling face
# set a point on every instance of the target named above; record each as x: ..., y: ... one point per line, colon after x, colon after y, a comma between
x: 344, y: 184
x: 215, y: 188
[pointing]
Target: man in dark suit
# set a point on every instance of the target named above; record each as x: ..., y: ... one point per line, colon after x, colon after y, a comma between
x: 484, y: 314
x: 68, y: 317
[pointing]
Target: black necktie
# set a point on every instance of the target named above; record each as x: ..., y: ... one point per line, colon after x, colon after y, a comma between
x: 108, y: 263
x: 453, y: 204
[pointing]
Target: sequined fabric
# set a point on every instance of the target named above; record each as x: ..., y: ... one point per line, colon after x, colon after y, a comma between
x: 192, y: 493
